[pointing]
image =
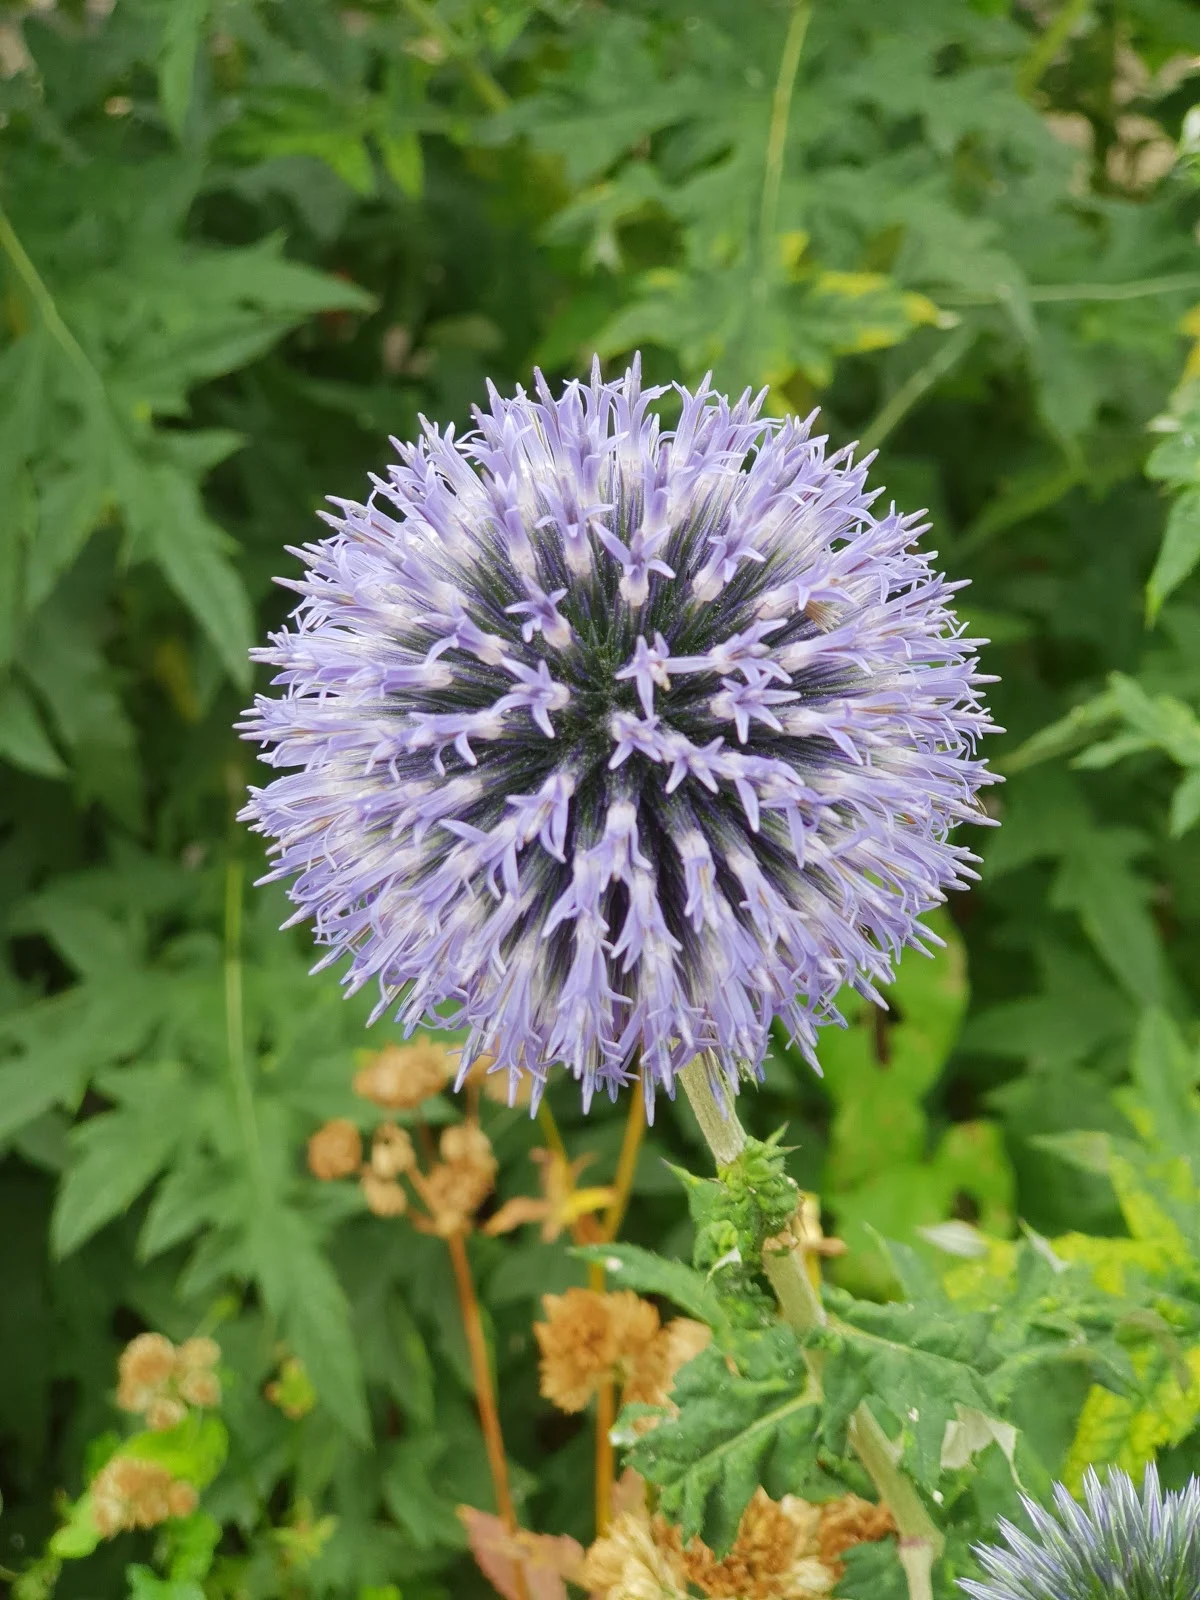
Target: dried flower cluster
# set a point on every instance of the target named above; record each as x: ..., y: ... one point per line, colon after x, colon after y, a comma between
x: 127, y: 1493
x: 451, y: 1189
x: 159, y: 1380
x: 454, y: 1188
x: 401, y: 1077
x: 622, y: 739
x: 784, y: 1550
x: 335, y: 1150
x: 589, y: 1337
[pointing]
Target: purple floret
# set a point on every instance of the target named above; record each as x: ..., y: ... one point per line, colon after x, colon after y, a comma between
x: 612, y: 741
x: 1119, y: 1546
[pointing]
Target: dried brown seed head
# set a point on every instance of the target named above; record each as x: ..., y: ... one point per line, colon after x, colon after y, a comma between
x: 145, y: 1367
x: 201, y: 1388
x: 384, y: 1196
x: 401, y: 1076
x: 578, y: 1345
x: 392, y: 1152
x: 164, y: 1413
x: 129, y: 1493
x: 196, y: 1354
x: 335, y: 1151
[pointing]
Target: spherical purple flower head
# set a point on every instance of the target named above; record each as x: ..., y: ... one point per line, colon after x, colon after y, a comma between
x: 1121, y: 1547
x: 619, y: 740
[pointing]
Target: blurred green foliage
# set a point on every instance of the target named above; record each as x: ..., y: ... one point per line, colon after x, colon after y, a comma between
x: 241, y: 242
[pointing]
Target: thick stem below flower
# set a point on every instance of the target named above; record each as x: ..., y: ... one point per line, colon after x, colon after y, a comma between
x: 920, y: 1540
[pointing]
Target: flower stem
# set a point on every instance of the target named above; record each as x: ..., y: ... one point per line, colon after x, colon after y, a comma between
x: 631, y: 1144
x: 920, y: 1541
x: 485, y: 1391
x: 781, y: 107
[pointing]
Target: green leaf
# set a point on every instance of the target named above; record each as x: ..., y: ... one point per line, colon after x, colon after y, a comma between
x: 631, y: 1267
x: 145, y: 1584
x: 119, y: 1153
x: 1185, y: 805
x: 30, y: 1086
x: 186, y: 21
x: 918, y: 1362
x: 1096, y: 882
x: 301, y: 1289
x: 1165, y: 1072
x: 23, y: 737
x: 1179, y: 553
x: 732, y: 1432
x: 192, y: 553
x: 194, y: 1451
x: 403, y: 159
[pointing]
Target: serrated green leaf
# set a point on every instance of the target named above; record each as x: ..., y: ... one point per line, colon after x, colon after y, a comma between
x: 301, y: 1289
x: 1185, y: 805
x: 119, y: 1153
x: 732, y: 1432
x: 23, y: 737
x: 192, y: 553
x: 185, y: 24
x: 1179, y: 553
x: 1165, y: 1073
x: 921, y: 1363
x: 631, y: 1267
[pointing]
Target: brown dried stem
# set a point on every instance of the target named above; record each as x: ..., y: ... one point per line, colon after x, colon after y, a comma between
x: 485, y: 1390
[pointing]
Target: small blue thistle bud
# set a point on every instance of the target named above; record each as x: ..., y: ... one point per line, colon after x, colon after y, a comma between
x: 1121, y: 1547
x: 616, y: 740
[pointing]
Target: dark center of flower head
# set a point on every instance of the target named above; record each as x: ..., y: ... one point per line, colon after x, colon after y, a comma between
x: 625, y: 739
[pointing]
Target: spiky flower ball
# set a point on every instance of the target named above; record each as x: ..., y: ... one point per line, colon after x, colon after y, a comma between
x: 618, y: 740
x: 1122, y: 1546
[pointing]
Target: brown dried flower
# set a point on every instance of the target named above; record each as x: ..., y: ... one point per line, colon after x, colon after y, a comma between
x: 784, y: 1550
x: 850, y: 1521
x: 578, y: 1346
x: 652, y: 1374
x: 401, y: 1076
x: 455, y: 1187
x: 194, y: 1355
x: 127, y: 1493
x: 335, y: 1151
x: 144, y: 1369
x: 200, y: 1388
x: 164, y: 1413
x: 589, y: 1337
x: 464, y: 1144
x: 392, y: 1152
x: 384, y: 1196
x: 161, y: 1381
x: 629, y: 1563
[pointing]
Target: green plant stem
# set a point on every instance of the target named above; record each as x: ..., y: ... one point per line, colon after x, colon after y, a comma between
x: 781, y: 108
x: 235, y: 1018
x: 484, y: 85
x: 1039, y: 60
x: 889, y: 416
x: 920, y: 1540
x: 29, y: 275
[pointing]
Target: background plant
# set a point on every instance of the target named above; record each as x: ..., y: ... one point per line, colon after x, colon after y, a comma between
x: 242, y: 241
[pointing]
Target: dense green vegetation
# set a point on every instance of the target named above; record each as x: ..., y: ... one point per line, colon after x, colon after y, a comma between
x: 241, y: 243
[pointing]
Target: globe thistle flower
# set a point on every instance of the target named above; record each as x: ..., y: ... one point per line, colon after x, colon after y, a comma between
x: 1137, y: 1548
x: 615, y: 741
